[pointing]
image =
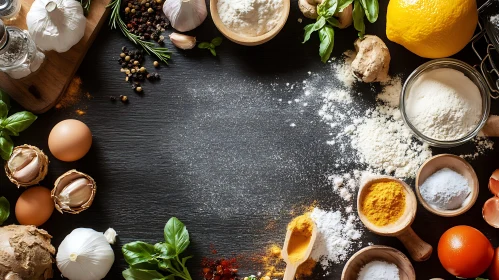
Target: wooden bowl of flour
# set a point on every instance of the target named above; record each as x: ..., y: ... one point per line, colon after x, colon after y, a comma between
x: 249, y: 40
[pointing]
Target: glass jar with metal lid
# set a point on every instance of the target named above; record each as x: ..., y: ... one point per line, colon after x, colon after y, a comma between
x: 9, y: 9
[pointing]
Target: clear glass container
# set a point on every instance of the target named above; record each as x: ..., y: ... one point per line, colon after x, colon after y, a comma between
x: 9, y: 9
x: 19, y: 56
x: 469, y: 72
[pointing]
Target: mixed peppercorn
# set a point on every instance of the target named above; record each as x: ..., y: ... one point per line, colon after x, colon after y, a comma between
x: 222, y: 269
x: 145, y: 19
x: 131, y: 62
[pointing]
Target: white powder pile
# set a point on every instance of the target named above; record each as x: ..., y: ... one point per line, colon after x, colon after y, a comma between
x: 444, y: 104
x: 250, y: 17
x: 343, y: 71
x: 336, y: 236
x: 346, y: 185
x: 445, y: 189
x: 379, y: 270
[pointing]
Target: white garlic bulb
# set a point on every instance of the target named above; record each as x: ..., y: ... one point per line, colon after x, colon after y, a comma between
x: 56, y: 24
x: 185, y: 15
x: 85, y: 254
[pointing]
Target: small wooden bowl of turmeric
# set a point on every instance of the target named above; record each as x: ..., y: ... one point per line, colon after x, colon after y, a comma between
x: 378, y: 253
x: 387, y: 206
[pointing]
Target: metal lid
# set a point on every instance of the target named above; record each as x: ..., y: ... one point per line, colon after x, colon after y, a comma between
x: 3, y: 34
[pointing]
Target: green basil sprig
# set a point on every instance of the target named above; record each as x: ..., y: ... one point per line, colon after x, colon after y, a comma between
x: 11, y: 126
x: 4, y: 209
x: 211, y: 45
x: 151, y: 262
x: 326, y: 21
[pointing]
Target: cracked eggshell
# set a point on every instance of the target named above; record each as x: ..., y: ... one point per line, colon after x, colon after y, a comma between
x: 63, y: 181
x: 43, y: 167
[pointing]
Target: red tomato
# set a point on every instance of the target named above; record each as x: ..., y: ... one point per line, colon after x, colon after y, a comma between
x: 494, y: 267
x: 465, y: 252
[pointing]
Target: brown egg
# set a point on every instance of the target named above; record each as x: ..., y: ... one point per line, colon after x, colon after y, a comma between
x: 34, y: 206
x: 70, y: 140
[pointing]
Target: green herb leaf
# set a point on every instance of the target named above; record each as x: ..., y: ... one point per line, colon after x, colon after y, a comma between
x: 326, y: 35
x: 4, y: 110
x: 4, y: 209
x: 358, y: 18
x: 217, y: 41
x: 327, y: 8
x: 333, y: 22
x: 213, y: 52
x: 311, y: 28
x: 176, y: 235
x: 164, y: 251
x: 371, y: 8
x: 5, y: 98
x: 142, y: 274
x: 342, y: 4
x: 204, y: 45
x: 138, y: 252
x: 18, y: 122
x: 6, y: 146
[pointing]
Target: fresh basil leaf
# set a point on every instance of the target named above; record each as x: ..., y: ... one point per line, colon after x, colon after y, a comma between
x: 165, y: 265
x: 185, y: 260
x: 164, y: 251
x: 18, y: 122
x: 327, y: 8
x: 326, y: 35
x: 204, y: 45
x: 5, y: 98
x: 4, y: 110
x: 138, y: 252
x: 213, y: 52
x: 358, y: 18
x: 342, y: 4
x: 6, y: 146
x: 217, y: 41
x: 5, y: 210
x: 333, y: 22
x: 176, y: 235
x: 371, y: 8
x: 142, y: 274
x: 311, y: 28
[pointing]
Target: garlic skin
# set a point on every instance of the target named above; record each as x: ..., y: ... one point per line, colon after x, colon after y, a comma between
x: 73, y: 192
x: 185, y: 15
x: 27, y: 166
x: 56, y: 24
x: 110, y: 235
x: 85, y: 254
x: 182, y: 41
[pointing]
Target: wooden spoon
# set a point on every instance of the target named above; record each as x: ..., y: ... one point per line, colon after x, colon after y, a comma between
x: 418, y: 249
x: 292, y: 266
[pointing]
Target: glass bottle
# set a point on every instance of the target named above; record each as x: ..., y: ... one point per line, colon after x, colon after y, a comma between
x: 9, y: 9
x: 19, y: 56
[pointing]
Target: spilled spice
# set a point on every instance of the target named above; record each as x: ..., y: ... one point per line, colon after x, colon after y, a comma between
x: 72, y: 95
x: 222, y: 269
x: 80, y: 112
x: 274, y: 266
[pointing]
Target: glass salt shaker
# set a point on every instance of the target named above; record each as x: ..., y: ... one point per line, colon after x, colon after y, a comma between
x: 9, y: 9
x: 19, y: 56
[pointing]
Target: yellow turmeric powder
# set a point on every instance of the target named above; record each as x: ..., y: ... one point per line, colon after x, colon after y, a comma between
x: 301, y: 233
x: 384, y: 203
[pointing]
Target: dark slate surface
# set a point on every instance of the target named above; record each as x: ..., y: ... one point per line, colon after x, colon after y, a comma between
x: 210, y: 145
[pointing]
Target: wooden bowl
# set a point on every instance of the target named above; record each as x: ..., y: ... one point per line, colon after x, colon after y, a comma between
x: 457, y: 164
x: 248, y: 40
x: 378, y: 253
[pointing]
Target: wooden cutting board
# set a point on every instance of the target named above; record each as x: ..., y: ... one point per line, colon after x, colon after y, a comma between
x: 42, y: 90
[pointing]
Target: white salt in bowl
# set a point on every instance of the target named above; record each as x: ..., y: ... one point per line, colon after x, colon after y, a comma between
x: 460, y: 166
x: 469, y: 72
x: 378, y: 253
x: 249, y: 40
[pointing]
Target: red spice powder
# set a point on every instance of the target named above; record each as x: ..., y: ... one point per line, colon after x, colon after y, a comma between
x: 222, y: 269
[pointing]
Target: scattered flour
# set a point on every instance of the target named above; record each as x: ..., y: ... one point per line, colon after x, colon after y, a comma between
x: 336, y: 236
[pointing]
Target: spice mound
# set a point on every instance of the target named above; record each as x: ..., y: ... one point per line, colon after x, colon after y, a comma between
x: 301, y: 234
x: 379, y: 270
x: 444, y: 104
x: 384, y: 203
x: 445, y: 189
x: 250, y: 17
x: 222, y: 269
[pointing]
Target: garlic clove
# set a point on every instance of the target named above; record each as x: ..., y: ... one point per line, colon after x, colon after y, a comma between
x: 110, y: 235
x: 182, y: 41
x: 73, y: 192
x: 27, y: 166
x: 185, y: 15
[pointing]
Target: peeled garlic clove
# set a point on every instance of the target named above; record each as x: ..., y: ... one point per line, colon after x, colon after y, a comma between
x: 182, y: 41
x: 27, y: 166
x: 73, y: 192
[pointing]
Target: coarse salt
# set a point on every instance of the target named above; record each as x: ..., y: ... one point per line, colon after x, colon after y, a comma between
x: 379, y: 270
x: 445, y: 189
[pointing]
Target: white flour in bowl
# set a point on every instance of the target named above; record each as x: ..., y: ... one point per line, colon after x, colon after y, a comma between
x: 250, y: 17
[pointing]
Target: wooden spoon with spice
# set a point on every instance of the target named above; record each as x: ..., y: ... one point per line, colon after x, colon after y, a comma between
x: 300, y: 239
x: 387, y: 206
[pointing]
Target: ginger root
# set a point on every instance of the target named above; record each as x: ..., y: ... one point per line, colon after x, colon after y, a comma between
x: 309, y: 8
x: 372, y: 60
x: 25, y: 253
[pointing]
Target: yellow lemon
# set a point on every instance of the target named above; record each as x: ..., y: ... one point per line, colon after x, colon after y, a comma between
x: 431, y: 28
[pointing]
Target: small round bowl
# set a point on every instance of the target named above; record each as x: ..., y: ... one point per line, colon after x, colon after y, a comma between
x: 469, y: 72
x: 457, y: 164
x: 378, y: 253
x: 249, y: 40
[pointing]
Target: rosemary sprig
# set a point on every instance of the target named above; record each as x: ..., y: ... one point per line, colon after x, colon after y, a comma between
x: 86, y: 5
x: 115, y: 21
